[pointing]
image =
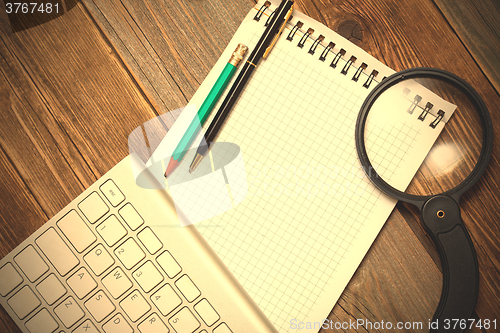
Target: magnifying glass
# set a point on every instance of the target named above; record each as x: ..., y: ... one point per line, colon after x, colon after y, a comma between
x: 455, y: 163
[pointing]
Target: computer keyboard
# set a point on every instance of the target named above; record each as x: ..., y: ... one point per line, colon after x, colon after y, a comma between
x: 117, y: 260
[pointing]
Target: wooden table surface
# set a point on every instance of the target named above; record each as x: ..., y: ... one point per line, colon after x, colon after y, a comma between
x: 74, y: 88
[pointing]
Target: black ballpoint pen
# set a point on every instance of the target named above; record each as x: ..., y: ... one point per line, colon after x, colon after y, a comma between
x: 280, y: 17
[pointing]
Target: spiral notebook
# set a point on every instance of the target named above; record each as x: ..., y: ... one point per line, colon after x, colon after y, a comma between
x: 306, y: 213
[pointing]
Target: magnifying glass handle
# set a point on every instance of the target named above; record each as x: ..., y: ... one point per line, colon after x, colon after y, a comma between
x: 441, y: 216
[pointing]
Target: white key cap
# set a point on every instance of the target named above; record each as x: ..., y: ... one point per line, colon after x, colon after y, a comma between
x: 131, y: 217
x: 187, y: 288
x: 184, y: 321
x: 168, y: 264
x: 57, y: 251
x: 31, y: 263
x: 206, y: 312
x: 222, y: 328
x: 9, y: 279
x: 153, y: 324
x: 147, y: 276
x: 112, y: 193
x: 166, y: 300
x: 69, y: 312
x: 149, y: 240
x: 23, y: 302
x: 135, y: 306
x: 76, y: 230
x: 51, y: 289
x: 117, y: 324
x: 99, y: 306
x: 42, y: 322
x: 111, y: 230
x: 82, y: 283
x: 129, y: 253
x: 86, y: 327
x: 117, y: 282
x: 99, y: 259
x: 93, y: 207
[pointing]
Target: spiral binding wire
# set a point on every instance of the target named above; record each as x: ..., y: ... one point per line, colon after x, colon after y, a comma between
x: 424, y: 113
x: 305, y: 37
x: 413, y: 105
x: 325, y: 52
x: 261, y: 11
x: 348, y: 65
x: 426, y: 110
x: 337, y: 57
x: 292, y: 32
x: 341, y: 53
x: 318, y: 41
x: 329, y: 49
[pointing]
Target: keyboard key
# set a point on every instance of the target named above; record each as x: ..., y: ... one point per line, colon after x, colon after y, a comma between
x: 117, y: 282
x: 168, y: 264
x: 166, y: 300
x: 9, y: 279
x: 42, y: 322
x: 187, y: 288
x: 184, y: 321
x: 76, y: 231
x: 24, y: 302
x: 153, y: 324
x: 99, y: 260
x: 82, y: 283
x: 149, y: 240
x: 206, y: 312
x: 93, y: 207
x: 99, y: 306
x: 147, y: 276
x: 135, y: 306
x: 51, y: 289
x: 111, y: 230
x: 30, y: 262
x: 112, y: 193
x: 58, y: 253
x: 131, y: 217
x: 69, y: 312
x: 86, y: 327
x: 129, y: 253
x: 117, y: 324
x: 222, y: 328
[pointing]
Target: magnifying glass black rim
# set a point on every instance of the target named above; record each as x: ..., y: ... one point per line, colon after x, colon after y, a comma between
x: 425, y: 72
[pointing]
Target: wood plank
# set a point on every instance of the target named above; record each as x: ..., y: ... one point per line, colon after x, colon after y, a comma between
x: 69, y: 105
x: 477, y: 23
x: 169, y: 46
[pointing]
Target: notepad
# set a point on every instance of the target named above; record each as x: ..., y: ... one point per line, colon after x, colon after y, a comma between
x: 309, y: 213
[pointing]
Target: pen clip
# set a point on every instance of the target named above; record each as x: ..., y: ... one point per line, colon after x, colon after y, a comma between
x: 278, y: 34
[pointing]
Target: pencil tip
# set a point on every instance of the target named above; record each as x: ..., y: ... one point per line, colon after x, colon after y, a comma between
x: 171, y: 166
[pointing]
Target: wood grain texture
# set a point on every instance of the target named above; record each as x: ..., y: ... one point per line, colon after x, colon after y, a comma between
x: 68, y: 105
x: 77, y: 87
x: 476, y: 24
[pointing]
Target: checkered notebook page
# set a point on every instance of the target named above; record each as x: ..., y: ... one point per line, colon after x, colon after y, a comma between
x: 309, y: 214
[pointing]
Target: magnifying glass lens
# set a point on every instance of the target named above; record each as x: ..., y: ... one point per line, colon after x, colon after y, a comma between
x: 423, y: 136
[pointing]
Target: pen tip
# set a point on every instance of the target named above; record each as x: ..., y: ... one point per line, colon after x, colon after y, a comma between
x: 196, y: 162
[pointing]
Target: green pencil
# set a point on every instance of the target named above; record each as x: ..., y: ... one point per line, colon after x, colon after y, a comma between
x: 207, y: 107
